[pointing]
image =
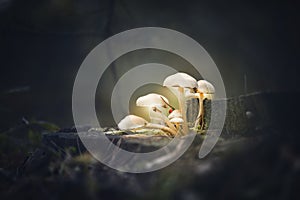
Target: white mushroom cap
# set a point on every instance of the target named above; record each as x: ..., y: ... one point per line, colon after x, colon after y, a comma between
x: 189, y: 95
x: 180, y: 80
x: 175, y: 114
x: 176, y: 120
x: 151, y: 99
x: 132, y: 122
x: 205, y: 87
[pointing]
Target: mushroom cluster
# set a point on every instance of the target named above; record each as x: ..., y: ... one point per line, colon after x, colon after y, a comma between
x: 184, y: 87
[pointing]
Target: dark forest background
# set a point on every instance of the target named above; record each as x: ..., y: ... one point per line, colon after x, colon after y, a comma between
x: 43, y: 43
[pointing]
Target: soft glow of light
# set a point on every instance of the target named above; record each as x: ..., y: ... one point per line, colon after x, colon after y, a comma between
x: 146, y: 89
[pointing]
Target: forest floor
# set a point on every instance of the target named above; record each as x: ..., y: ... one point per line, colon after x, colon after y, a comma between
x: 40, y: 161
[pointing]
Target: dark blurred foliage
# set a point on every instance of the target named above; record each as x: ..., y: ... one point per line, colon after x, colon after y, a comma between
x: 44, y: 42
x: 265, y: 166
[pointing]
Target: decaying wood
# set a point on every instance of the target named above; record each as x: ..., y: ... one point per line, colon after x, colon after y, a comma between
x: 246, y: 115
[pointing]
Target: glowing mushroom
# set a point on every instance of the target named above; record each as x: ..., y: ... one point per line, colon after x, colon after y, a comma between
x: 206, y: 91
x: 177, y: 121
x: 181, y: 81
x: 134, y: 122
x: 156, y: 103
x: 175, y: 116
x: 206, y: 88
x: 175, y: 113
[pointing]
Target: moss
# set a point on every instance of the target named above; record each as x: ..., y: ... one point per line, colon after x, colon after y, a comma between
x: 45, y: 125
x: 34, y: 137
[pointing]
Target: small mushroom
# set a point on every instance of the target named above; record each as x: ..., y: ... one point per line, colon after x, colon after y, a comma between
x: 135, y: 122
x: 206, y: 88
x: 132, y: 122
x: 177, y: 121
x: 180, y: 81
x: 206, y: 91
x: 155, y: 104
x: 175, y: 113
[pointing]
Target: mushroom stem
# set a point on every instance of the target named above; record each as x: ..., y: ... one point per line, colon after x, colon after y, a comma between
x: 161, y: 127
x: 165, y: 118
x: 182, y: 108
x: 154, y: 119
x: 177, y: 125
x: 200, y: 112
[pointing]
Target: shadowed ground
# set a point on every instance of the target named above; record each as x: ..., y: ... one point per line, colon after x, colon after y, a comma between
x: 247, y: 162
